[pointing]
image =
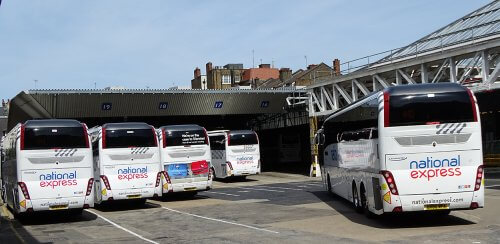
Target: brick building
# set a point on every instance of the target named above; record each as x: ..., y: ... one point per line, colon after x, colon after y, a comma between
x: 265, y: 76
x: 256, y: 76
x: 232, y: 75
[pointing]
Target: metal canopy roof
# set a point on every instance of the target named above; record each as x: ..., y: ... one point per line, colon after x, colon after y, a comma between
x: 38, y: 104
x: 480, y: 24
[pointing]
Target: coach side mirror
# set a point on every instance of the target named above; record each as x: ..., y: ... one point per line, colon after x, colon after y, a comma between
x: 319, y: 138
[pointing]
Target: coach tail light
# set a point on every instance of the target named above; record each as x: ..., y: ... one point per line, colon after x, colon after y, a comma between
x: 106, y: 182
x: 479, y: 178
x: 24, y: 189
x: 390, y: 181
x: 89, y: 186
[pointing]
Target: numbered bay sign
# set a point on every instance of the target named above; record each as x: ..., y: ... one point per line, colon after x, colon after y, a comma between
x: 218, y: 104
x: 163, y: 105
x: 264, y: 104
x: 106, y: 106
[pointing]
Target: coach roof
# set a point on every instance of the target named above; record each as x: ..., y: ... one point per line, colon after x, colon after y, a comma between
x: 425, y: 89
x: 239, y: 132
x: 52, y: 123
x: 181, y: 127
x: 126, y: 126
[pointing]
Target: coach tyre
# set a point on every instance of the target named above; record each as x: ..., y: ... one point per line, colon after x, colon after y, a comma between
x: 328, y: 185
x: 213, y: 173
x: 355, y: 199
x: 364, y: 203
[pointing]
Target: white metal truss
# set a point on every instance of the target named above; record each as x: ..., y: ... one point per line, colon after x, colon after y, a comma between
x: 472, y: 64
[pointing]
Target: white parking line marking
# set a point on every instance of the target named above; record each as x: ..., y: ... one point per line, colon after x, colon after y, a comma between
x: 282, y: 188
x: 222, y: 193
x: 220, y: 220
x: 252, y: 201
x: 258, y: 189
x: 121, y: 228
x: 492, y: 186
x: 308, y: 184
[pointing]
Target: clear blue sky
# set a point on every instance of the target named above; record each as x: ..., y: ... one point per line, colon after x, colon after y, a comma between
x: 158, y: 43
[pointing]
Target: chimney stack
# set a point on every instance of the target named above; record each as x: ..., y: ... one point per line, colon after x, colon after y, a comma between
x: 285, y: 74
x: 264, y: 66
x: 197, y: 72
x: 336, y: 67
x: 209, y: 67
x: 311, y: 66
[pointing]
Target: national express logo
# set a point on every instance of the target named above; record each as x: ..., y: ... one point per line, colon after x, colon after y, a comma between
x: 56, y: 179
x: 244, y: 160
x: 133, y: 173
x: 433, y: 168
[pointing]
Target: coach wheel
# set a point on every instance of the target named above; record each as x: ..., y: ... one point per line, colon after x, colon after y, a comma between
x: 355, y: 199
x: 328, y: 184
x: 212, y: 171
x: 364, y: 204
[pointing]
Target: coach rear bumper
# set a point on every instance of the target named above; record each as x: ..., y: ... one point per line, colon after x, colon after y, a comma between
x: 190, y: 186
x: 442, y: 201
x: 126, y: 194
x: 244, y: 172
x: 37, y: 205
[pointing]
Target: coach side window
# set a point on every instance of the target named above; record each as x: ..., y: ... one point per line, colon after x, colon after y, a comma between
x: 217, y: 143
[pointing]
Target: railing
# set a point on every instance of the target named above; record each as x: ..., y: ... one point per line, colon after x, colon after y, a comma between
x: 417, y: 48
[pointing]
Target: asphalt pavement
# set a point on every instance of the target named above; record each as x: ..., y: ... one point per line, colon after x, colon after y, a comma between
x: 267, y: 208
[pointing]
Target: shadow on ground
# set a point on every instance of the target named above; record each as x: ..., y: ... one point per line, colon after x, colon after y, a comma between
x: 235, y: 179
x: 181, y: 196
x: 390, y: 221
x: 12, y: 231
x: 125, y: 205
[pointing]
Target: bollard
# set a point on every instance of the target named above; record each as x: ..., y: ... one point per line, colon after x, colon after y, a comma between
x: 315, y: 170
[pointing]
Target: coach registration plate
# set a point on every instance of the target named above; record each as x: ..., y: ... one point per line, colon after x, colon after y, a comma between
x: 436, y: 206
x: 58, y: 207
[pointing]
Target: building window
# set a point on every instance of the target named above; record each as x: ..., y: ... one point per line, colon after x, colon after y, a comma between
x: 237, y: 79
x: 226, y: 79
